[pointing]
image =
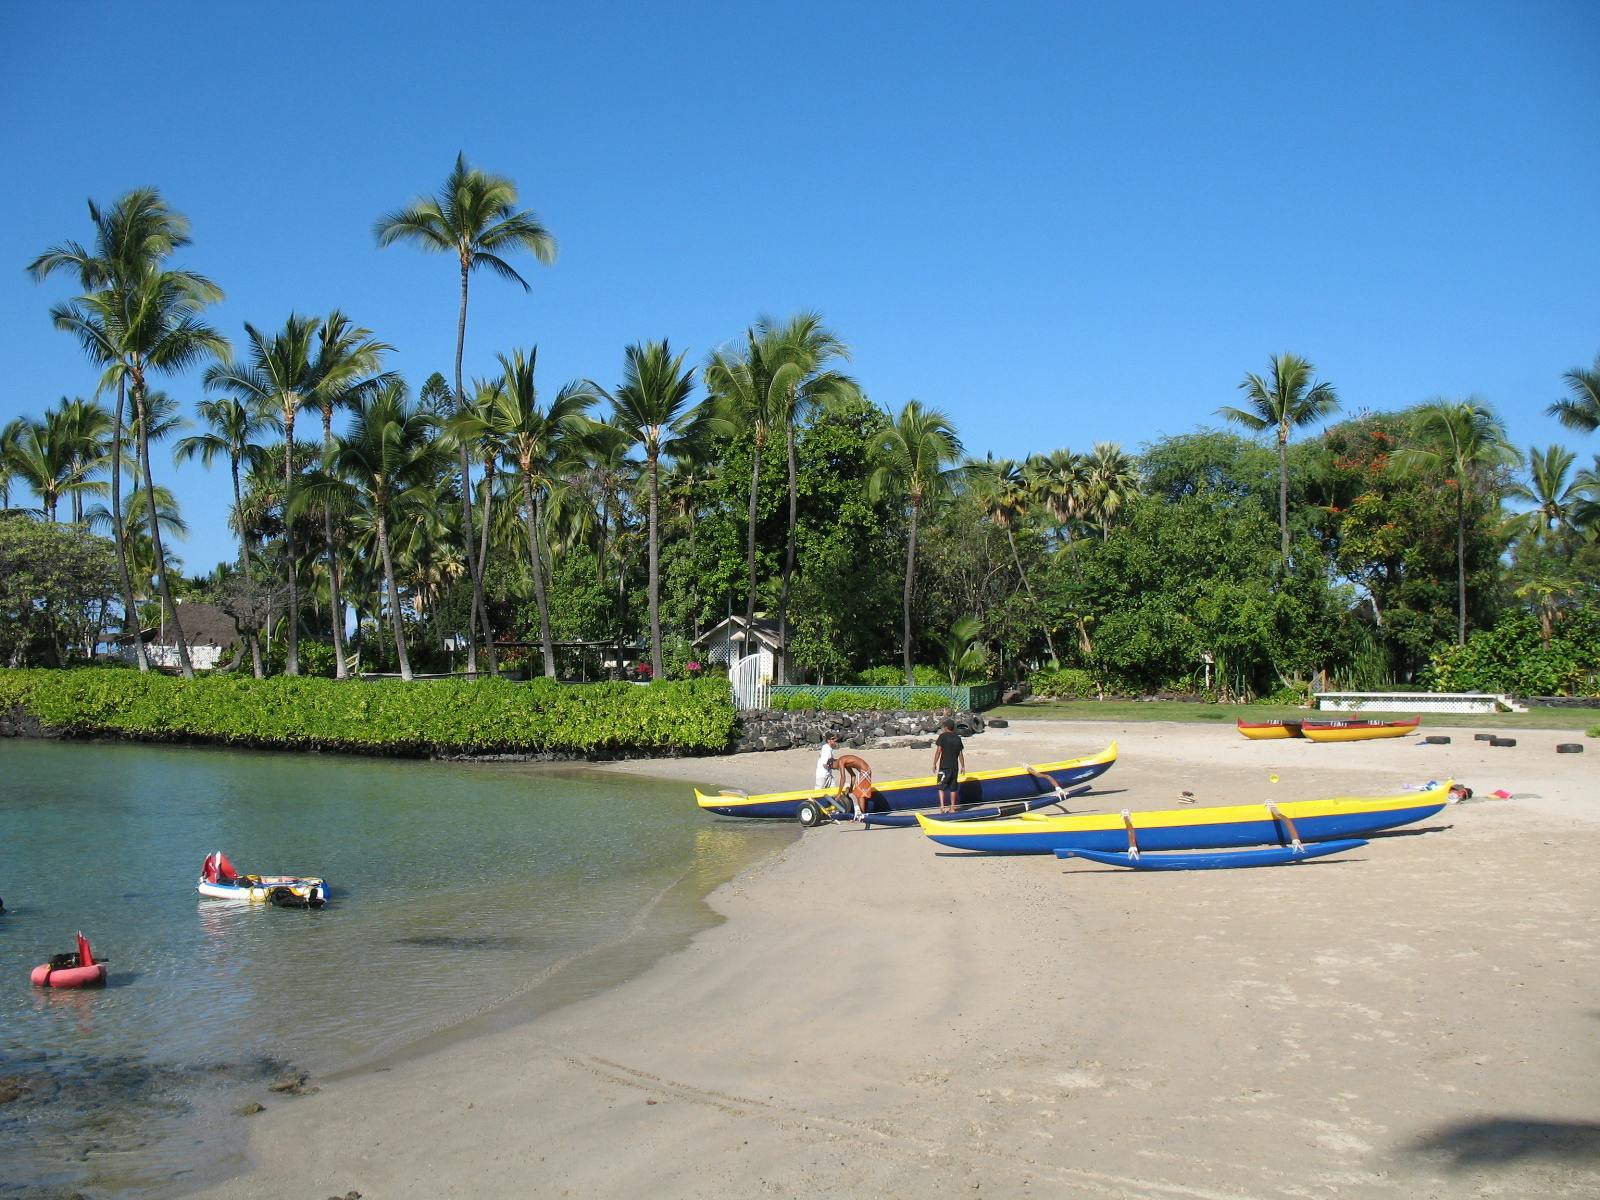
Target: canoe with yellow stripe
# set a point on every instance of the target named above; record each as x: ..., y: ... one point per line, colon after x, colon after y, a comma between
x: 975, y: 787
x: 1193, y: 828
x: 1269, y: 731
x: 1357, y: 731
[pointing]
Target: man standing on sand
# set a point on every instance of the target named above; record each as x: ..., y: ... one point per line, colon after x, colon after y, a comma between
x: 825, y: 761
x: 949, y: 764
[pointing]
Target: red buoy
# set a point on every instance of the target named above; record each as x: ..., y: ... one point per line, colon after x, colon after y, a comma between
x: 73, y: 970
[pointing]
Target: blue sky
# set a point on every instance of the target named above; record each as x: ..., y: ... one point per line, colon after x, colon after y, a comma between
x: 1060, y: 223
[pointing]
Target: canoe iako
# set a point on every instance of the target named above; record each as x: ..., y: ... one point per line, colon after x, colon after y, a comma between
x: 900, y: 795
x: 1261, y: 824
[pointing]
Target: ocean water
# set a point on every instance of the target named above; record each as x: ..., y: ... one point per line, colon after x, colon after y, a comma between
x: 460, y: 893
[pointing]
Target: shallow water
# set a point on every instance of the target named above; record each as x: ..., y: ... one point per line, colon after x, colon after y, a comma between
x: 455, y: 889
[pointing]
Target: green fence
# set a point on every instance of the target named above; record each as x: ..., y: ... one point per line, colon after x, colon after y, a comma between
x: 972, y: 697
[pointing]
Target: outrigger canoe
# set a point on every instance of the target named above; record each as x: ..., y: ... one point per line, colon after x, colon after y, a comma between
x: 1262, y: 824
x: 811, y: 805
x: 1267, y: 731
x: 1357, y: 731
x: 220, y: 881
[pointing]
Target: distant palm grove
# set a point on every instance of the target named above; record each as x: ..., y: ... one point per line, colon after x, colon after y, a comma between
x: 488, y: 520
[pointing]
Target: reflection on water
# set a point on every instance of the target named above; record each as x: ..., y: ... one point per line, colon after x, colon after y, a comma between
x: 455, y: 888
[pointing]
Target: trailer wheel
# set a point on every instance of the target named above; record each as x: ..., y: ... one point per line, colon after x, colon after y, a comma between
x: 810, y: 814
x: 1569, y: 748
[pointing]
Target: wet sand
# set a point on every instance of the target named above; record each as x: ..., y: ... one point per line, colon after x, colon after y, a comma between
x: 1415, y: 1019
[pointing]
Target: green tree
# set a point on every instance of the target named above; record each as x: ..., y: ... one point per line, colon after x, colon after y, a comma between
x: 1283, y: 401
x: 1003, y: 493
x: 915, y: 453
x: 1464, y: 442
x: 384, y: 466
x: 231, y: 430
x: 136, y: 316
x: 473, y: 216
x: 54, y: 583
x: 1580, y: 408
x: 1551, y: 491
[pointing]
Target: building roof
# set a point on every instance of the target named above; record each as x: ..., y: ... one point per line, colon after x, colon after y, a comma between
x: 203, y: 625
x: 765, y: 629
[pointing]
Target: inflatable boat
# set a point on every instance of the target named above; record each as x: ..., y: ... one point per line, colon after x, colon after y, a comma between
x: 220, y: 881
x: 75, y: 969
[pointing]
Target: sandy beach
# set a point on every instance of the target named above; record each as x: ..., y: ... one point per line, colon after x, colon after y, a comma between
x: 1416, y: 1019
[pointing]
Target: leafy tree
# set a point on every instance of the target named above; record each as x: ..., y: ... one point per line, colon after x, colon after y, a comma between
x: 1113, y: 481
x: 1464, y: 442
x: 473, y: 216
x: 914, y: 457
x: 1554, y: 496
x: 54, y: 584
x: 1003, y: 493
x: 1284, y: 401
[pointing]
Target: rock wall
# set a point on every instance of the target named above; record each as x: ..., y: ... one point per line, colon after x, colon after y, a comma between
x: 768, y: 730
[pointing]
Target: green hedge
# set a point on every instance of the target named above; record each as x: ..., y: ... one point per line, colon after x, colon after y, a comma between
x: 1064, y: 682
x: 449, y: 716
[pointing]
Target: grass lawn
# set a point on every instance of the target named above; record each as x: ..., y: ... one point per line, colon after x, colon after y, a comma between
x: 1227, y: 714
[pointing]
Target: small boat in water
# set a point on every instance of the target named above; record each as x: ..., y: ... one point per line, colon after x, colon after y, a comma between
x: 1357, y: 731
x: 75, y: 969
x: 811, y: 806
x: 220, y: 881
x: 1222, y: 828
x: 1268, y: 731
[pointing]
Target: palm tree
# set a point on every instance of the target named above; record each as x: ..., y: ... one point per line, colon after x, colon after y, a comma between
x: 1002, y: 492
x: 85, y: 427
x: 1463, y: 440
x: 913, y: 460
x: 1286, y: 400
x: 751, y: 394
x: 1549, y: 490
x: 384, y: 466
x: 809, y: 346
x: 1113, y: 480
x: 962, y: 654
x: 232, y: 430
x: 346, y: 367
x: 136, y: 316
x: 41, y: 456
x: 10, y: 435
x: 473, y: 216
x: 279, y: 380
x: 1061, y: 482
x: 653, y: 406
x: 534, y: 437
x: 1581, y: 409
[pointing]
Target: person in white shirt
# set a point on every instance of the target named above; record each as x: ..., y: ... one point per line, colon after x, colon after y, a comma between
x: 825, y: 763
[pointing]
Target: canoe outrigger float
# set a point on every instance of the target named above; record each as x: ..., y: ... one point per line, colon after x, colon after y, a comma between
x: 1041, y: 783
x: 1265, y: 824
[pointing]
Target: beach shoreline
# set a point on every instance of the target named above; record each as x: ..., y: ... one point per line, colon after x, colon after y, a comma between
x: 873, y: 1017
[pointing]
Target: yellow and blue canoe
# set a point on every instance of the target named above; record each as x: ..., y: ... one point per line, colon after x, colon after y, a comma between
x: 900, y: 795
x: 1192, y: 828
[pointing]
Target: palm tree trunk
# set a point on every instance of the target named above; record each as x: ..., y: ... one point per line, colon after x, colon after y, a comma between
x: 788, y: 560
x: 655, y: 571
x: 911, y: 567
x: 340, y: 670
x: 480, y: 612
x: 155, y: 527
x: 394, y: 600
x: 130, y: 607
x: 244, y: 556
x: 750, y: 550
x: 534, y: 518
x: 1283, y: 494
x: 1461, y: 567
x: 291, y: 659
x: 1028, y: 587
x: 483, y: 533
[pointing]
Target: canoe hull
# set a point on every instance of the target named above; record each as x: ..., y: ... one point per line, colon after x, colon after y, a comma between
x: 1357, y: 731
x: 1269, y: 731
x: 902, y: 795
x: 983, y: 812
x: 1192, y: 828
x: 1267, y: 856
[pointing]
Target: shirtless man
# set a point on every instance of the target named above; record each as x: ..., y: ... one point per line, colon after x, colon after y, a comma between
x: 855, y: 777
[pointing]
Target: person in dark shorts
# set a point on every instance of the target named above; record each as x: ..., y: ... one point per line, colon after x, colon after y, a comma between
x: 949, y: 764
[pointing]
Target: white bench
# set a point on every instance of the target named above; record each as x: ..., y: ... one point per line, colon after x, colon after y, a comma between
x: 1417, y: 702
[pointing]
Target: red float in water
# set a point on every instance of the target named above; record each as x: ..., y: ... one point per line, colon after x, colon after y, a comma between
x: 73, y: 970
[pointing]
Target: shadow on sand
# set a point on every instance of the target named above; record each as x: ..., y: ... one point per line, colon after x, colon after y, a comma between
x: 1498, y: 1141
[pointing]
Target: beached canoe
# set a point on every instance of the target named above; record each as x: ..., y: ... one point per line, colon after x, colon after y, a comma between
x: 1260, y: 824
x: 977, y: 812
x: 1357, y: 731
x: 900, y: 795
x: 1269, y: 731
x: 1214, y: 860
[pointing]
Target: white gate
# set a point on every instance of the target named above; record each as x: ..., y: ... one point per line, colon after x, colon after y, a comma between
x: 751, y: 678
